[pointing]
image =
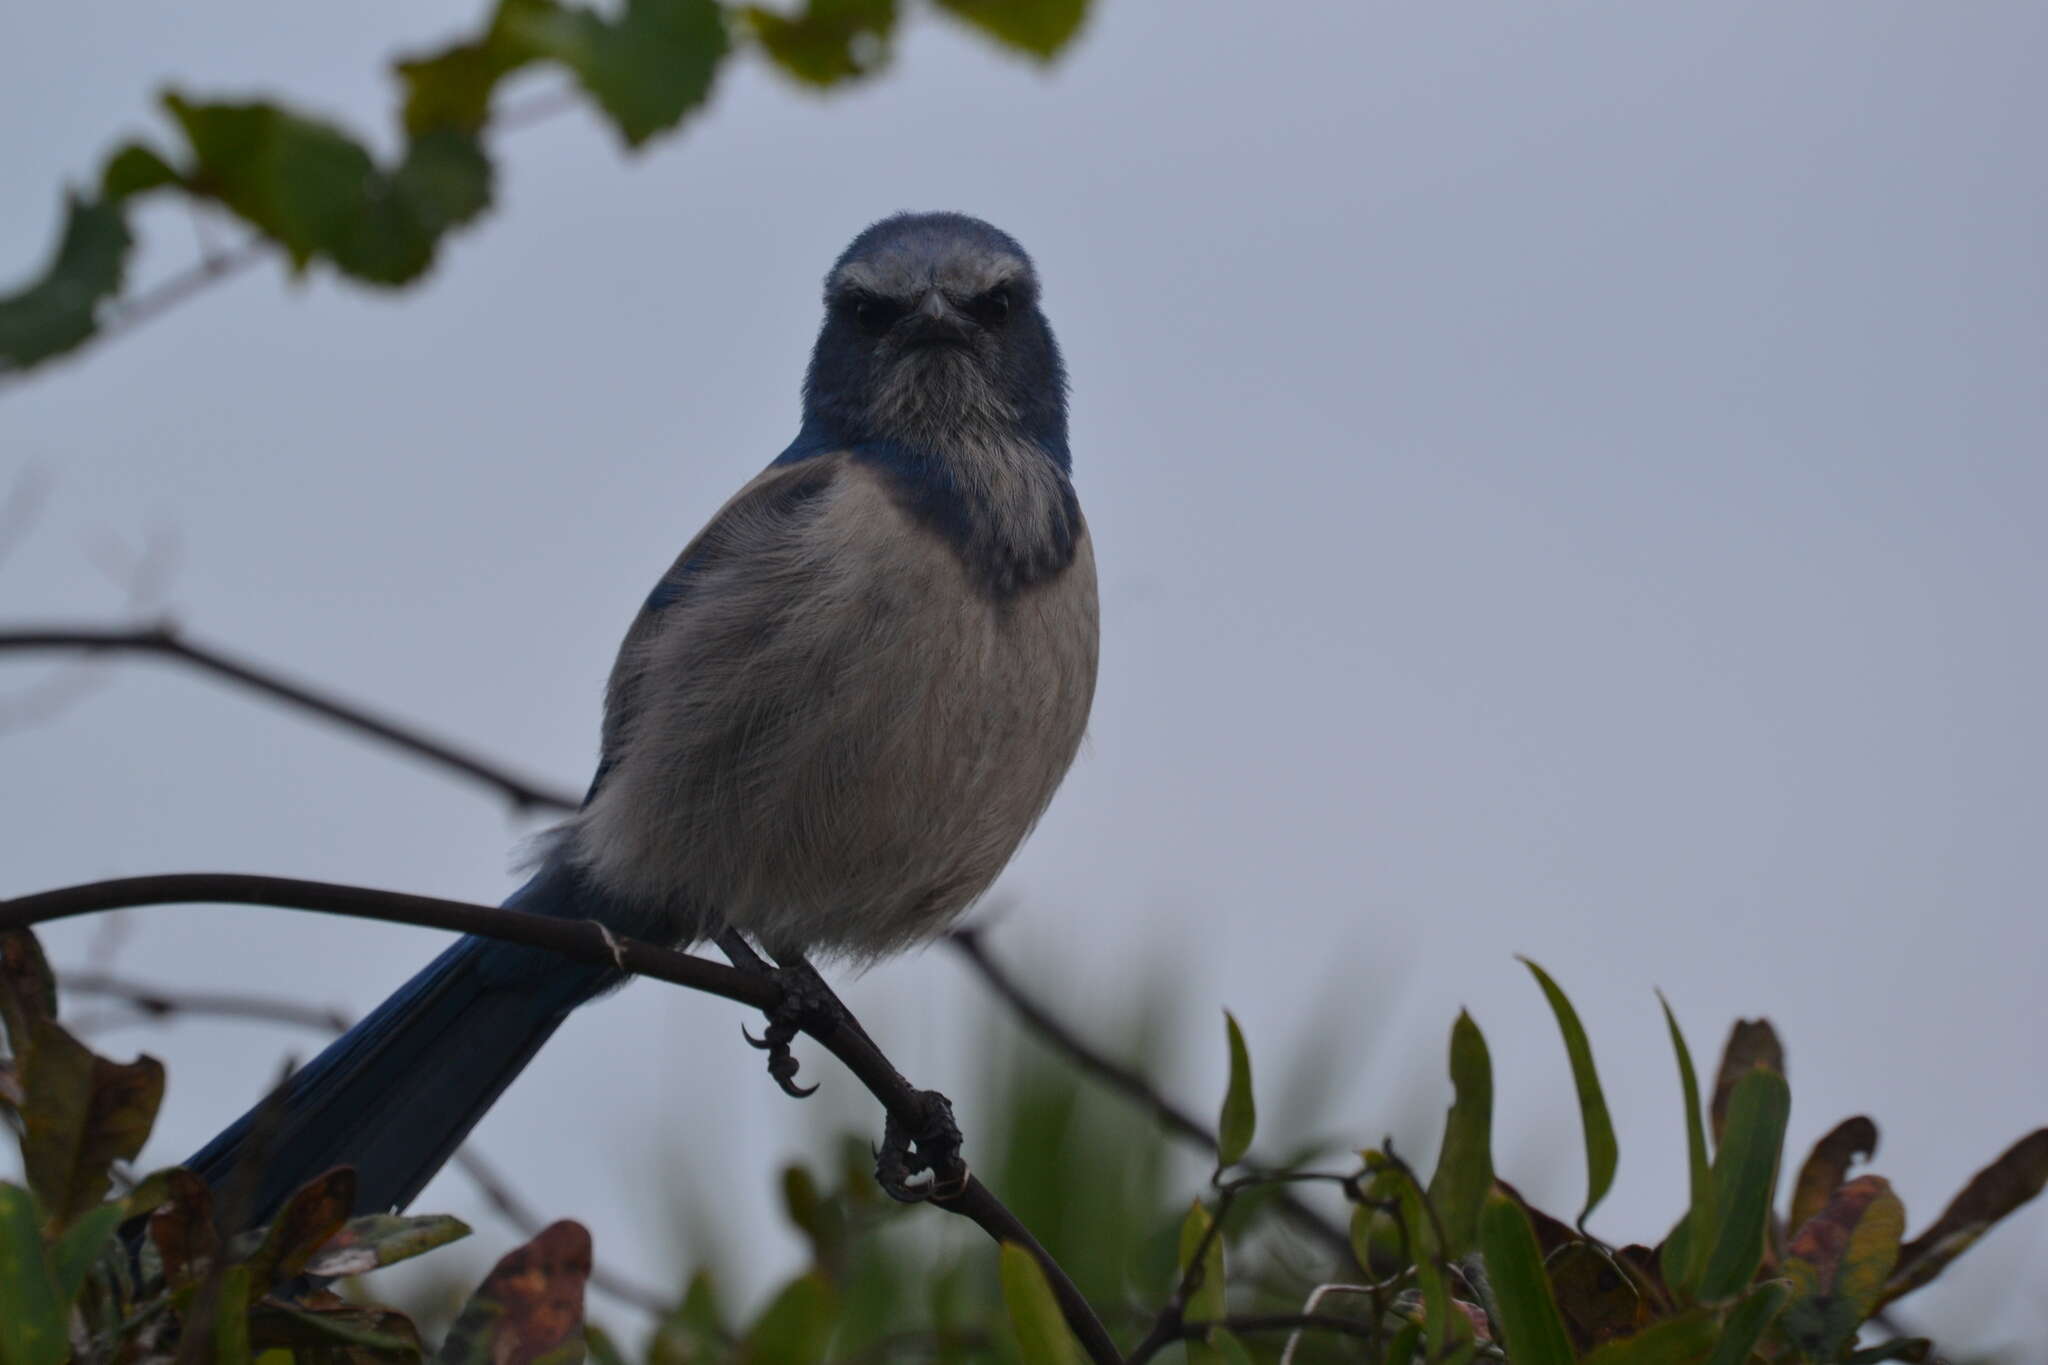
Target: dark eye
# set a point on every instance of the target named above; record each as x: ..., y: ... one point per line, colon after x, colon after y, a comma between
x: 874, y: 315
x: 993, y: 308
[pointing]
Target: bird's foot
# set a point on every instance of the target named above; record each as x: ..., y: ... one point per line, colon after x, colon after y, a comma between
x: 921, y: 1161
x: 806, y: 1000
x: 806, y: 1003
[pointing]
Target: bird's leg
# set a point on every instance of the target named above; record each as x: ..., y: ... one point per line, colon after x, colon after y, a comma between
x: 799, y: 1004
x: 915, y: 1162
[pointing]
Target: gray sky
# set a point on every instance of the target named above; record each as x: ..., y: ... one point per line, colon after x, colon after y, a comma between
x: 1568, y: 479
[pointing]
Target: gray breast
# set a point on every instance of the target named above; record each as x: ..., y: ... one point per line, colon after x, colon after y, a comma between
x: 840, y: 739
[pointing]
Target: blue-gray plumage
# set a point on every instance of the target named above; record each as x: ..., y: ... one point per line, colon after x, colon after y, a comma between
x: 835, y: 719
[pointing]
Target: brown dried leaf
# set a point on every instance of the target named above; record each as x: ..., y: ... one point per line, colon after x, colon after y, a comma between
x: 28, y: 988
x: 1848, y: 1142
x: 182, y: 1230
x: 315, y: 1212
x: 1837, y: 1263
x: 530, y: 1307
x: 1595, y: 1296
x: 1998, y: 1189
x: 1751, y: 1043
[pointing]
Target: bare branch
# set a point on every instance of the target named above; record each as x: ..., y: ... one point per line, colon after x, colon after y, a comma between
x: 581, y: 941
x: 1127, y: 1082
x: 163, y: 641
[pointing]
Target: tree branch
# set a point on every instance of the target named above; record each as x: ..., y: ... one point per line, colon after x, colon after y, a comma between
x: 581, y: 941
x: 163, y: 641
x: 1127, y: 1082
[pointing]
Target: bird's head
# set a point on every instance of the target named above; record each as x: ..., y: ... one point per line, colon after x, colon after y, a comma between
x: 933, y: 334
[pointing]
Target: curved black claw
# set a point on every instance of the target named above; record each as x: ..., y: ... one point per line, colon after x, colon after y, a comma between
x: 916, y: 1164
x: 806, y: 1000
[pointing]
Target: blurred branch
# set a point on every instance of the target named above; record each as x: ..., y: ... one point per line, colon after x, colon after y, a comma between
x: 158, y: 1003
x: 581, y: 941
x: 163, y: 641
x: 1249, y: 1323
x: 1127, y: 1082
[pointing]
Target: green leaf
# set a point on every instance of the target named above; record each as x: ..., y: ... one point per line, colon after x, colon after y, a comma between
x: 315, y: 192
x: 80, y: 1112
x: 1838, y: 1262
x: 231, y: 1317
x: 1240, y: 1117
x: 829, y: 42
x: 1602, y: 1152
x: 80, y: 1246
x: 530, y: 1308
x: 647, y: 70
x: 452, y: 88
x: 1687, y: 1339
x: 1444, y: 1323
x: 796, y: 1327
x: 380, y: 1239
x: 378, y: 1333
x: 32, y: 1310
x: 134, y: 169
x: 59, y: 310
x: 1206, y: 1300
x: 1038, y: 27
x: 1752, y: 1043
x: 1745, y: 1177
x: 298, y: 181
x: 694, y: 1330
x: 1697, y: 1166
x: 1464, y: 1165
x: 1529, y: 1319
x: 2016, y: 1177
x: 1406, y: 1345
x: 1683, y: 1256
x: 1035, y: 1315
x: 1746, y: 1325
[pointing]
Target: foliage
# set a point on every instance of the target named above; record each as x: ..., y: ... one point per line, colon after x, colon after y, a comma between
x: 1455, y: 1268
x: 316, y: 193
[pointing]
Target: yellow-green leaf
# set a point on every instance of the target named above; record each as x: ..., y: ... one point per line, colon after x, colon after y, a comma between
x: 32, y: 1312
x: 1745, y: 1177
x: 1240, y: 1117
x: 1034, y: 1311
x: 1603, y: 1154
x: 1464, y: 1164
x: 1533, y: 1331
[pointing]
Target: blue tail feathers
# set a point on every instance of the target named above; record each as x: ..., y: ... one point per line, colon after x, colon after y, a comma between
x: 396, y: 1094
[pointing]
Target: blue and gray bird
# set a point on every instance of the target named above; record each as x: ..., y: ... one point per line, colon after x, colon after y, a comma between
x: 837, y: 716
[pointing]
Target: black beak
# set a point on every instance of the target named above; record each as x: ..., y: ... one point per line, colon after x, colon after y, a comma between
x: 935, y: 321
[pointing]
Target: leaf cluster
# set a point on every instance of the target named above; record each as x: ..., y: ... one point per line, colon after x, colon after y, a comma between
x: 155, y: 1274
x: 316, y: 193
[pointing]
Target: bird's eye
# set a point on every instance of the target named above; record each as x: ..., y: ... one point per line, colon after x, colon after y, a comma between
x: 993, y: 308
x: 875, y: 315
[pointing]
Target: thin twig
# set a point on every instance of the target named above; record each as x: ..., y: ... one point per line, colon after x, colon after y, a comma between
x: 1127, y: 1082
x: 164, y: 641
x: 581, y: 941
x: 158, y: 1003
x: 1250, y: 1323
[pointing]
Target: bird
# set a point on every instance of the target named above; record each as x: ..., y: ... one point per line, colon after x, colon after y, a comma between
x: 834, y: 720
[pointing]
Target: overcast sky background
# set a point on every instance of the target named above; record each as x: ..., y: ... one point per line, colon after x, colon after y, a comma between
x: 1568, y: 479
